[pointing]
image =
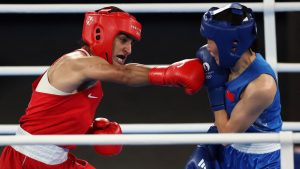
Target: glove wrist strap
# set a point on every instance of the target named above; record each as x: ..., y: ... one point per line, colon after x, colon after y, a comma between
x: 157, y: 75
x: 217, y: 98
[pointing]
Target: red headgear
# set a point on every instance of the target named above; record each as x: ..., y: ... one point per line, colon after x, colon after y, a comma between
x: 100, y: 29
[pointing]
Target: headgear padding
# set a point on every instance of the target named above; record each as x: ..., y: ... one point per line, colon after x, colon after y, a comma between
x: 233, y: 29
x: 101, y: 27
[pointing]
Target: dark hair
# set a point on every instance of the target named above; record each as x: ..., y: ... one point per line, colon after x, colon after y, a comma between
x: 255, y: 45
x: 110, y: 9
x: 233, y: 16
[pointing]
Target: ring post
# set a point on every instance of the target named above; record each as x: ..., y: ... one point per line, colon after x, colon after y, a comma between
x: 286, y: 151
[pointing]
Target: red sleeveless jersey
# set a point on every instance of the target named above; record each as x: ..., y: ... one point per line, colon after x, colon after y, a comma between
x: 56, y: 114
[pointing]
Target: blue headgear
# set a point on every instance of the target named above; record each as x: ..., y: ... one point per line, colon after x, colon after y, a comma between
x: 233, y: 29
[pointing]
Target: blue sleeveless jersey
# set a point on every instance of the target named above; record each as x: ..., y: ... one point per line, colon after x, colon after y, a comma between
x: 270, y: 119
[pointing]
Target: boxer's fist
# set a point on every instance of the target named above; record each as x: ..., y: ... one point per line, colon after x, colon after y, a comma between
x: 215, y: 79
x: 187, y: 73
x: 104, y: 126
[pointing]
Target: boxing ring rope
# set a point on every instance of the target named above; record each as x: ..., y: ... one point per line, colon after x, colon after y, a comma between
x: 285, y: 138
x: 268, y: 7
x: 141, y: 7
x: 151, y: 139
x: 158, y: 128
x: 37, y: 70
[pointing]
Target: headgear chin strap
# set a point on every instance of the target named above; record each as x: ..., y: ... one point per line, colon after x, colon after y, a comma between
x: 101, y: 27
x: 233, y: 29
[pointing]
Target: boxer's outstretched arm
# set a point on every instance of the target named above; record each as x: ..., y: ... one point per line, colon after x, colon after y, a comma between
x: 188, y: 74
x: 73, y: 71
x: 132, y: 74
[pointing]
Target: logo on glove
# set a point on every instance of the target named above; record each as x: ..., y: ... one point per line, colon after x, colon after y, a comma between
x: 206, y: 66
x: 202, y: 164
x: 89, y: 20
x: 208, y: 74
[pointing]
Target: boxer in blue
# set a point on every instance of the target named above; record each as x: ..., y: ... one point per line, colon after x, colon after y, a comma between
x: 242, y: 89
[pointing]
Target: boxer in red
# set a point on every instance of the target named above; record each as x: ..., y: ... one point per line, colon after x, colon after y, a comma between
x: 64, y: 99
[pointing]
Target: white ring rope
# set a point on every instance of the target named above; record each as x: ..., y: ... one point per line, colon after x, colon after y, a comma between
x: 147, y: 139
x: 285, y: 138
x: 139, y: 7
x: 160, y: 128
x: 288, y: 67
x: 22, y: 70
x: 37, y: 70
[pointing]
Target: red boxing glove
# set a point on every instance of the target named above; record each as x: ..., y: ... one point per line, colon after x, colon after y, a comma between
x: 187, y: 73
x: 104, y: 126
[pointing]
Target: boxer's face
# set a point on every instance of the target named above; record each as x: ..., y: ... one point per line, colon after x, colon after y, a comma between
x: 213, y: 50
x: 121, y: 49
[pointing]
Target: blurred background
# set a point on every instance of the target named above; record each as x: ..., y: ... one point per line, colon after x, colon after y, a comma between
x: 39, y: 39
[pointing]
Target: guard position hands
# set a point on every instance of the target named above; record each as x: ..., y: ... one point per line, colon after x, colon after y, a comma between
x: 215, y: 79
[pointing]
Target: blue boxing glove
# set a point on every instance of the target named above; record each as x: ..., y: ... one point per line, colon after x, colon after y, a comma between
x: 215, y: 150
x: 201, y: 159
x: 215, y: 79
x: 206, y: 156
